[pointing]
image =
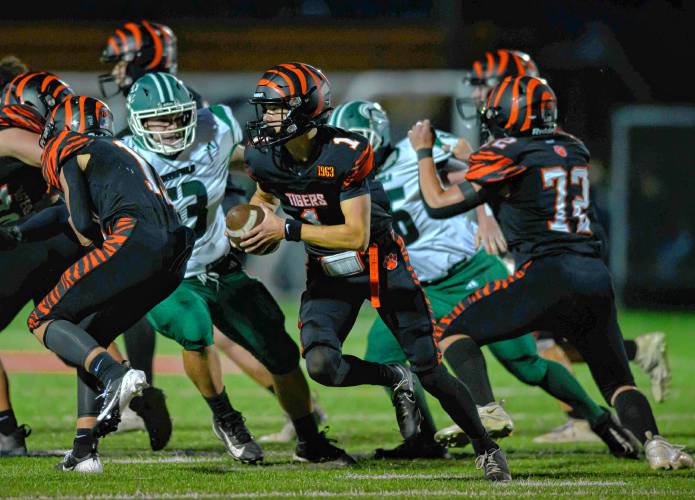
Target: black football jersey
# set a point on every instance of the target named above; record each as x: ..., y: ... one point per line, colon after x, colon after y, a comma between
x: 311, y: 192
x: 542, y: 194
x: 116, y: 181
x: 22, y: 188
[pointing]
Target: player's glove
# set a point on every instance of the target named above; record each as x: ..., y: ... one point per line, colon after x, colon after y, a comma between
x: 10, y: 237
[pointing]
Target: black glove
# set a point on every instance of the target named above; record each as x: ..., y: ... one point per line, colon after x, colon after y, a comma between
x: 10, y: 237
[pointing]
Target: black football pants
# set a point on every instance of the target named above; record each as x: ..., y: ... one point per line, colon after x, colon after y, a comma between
x: 570, y: 295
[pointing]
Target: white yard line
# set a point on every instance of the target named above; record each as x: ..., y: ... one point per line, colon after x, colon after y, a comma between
x: 502, y: 490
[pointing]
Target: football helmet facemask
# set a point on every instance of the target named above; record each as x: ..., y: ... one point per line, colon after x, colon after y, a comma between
x: 163, y: 96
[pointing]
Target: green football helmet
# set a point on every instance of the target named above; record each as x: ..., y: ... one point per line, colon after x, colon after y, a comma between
x: 158, y: 95
x: 366, y: 118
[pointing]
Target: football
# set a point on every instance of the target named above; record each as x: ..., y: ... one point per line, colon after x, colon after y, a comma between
x: 243, y: 218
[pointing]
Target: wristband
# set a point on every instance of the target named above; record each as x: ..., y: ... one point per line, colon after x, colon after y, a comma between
x: 293, y: 230
x: 423, y: 153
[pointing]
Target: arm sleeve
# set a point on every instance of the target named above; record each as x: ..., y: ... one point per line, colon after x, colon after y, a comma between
x: 79, y: 201
x: 472, y: 199
x: 355, y: 182
x: 45, y: 224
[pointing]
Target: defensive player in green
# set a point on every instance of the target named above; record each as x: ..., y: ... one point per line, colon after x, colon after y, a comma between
x: 450, y: 266
x: 192, y: 151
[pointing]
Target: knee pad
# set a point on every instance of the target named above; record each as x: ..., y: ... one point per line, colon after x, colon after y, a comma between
x: 529, y: 369
x: 322, y: 363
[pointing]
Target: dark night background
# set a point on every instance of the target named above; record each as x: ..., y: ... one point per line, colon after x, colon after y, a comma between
x: 597, y: 55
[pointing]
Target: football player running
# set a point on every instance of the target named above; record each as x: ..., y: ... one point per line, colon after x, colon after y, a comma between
x: 135, y: 255
x: 536, y: 179
x: 192, y: 150
x: 451, y: 265
x: 135, y: 49
x: 37, y: 245
x: 648, y: 351
x: 319, y: 175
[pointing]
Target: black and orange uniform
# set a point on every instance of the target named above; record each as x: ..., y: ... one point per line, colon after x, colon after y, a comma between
x: 32, y: 268
x: 22, y: 188
x: 140, y: 250
x: 312, y: 193
x: 539, y: 190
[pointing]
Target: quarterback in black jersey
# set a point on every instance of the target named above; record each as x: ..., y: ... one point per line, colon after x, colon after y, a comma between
x: 320, y: 177
x: 536, y: 179
x: 137, y: 252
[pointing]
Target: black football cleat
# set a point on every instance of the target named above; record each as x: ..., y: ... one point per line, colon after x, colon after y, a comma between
x: 14, y: 444
x: 494, y: 464
x: 403, y: 399
x: 321, y: 450
x: 237, y: 439
x: 417, y: 447
x: 620, y: 441
x: 152, y: 408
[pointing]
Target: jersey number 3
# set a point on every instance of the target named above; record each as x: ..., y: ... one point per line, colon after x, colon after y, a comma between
x: 559, y: 179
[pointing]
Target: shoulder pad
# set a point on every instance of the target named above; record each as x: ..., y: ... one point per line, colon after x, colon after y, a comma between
x: 497, y: 160
x: 57, y: 151
x: 350, y: 153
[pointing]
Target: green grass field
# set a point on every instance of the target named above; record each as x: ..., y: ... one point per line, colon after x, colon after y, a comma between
x: 194, y: 465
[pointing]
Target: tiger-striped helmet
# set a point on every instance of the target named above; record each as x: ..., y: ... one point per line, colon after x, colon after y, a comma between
x: 41, y: 90
x: 301, y: 91
x: 487, y: 72
x: 81, y: 114
x: 145, y: 47
x: 519, y: 106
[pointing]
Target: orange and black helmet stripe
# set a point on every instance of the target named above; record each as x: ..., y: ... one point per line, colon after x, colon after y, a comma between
x: 39, y: 89
x: 520, y: 103
x: 295, y: 80
x: 151, y: 46
x: 502, y: 63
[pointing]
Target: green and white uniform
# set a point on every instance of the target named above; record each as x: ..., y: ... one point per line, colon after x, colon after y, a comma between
x: 195, y: 180
x: 215, y: 289
x: 434, y: 245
